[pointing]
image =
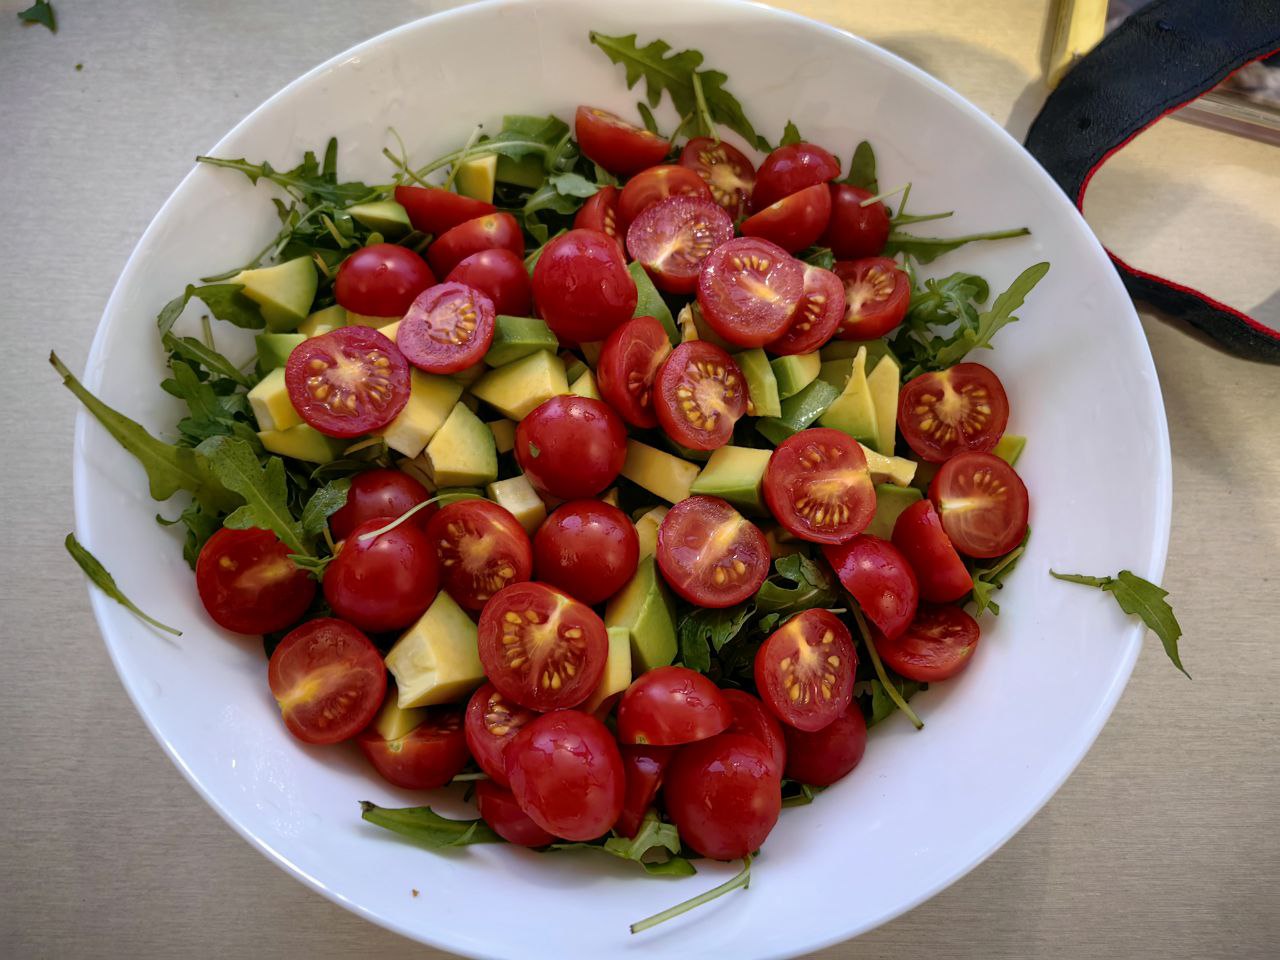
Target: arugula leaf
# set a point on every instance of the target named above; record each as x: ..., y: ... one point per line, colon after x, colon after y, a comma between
x: 896, y: 695
x: 790, y: 135
x: 308, y: 181
x: 990, y: 321
x: 562, y: 193
x: 882, y: 704
x: 224, y: 300
x: 649, y: 302
x: 797, y: 794
x: 40, y: 12
x: 862, y: 168
x: 928, y: 249
x: 646, y: 116
x: 426, y: 827
x: 797, y: 583
x: 656, y: 847
x: 200, y: 524
x: 195, y: 351
x: 323, y: 504
x: 990, y: 578
x: 819, y: 257
x: 100, y: 578
x: 741, y: 881
x: 263, y: 488
x: 702, y: 629
x: 1141, y: 598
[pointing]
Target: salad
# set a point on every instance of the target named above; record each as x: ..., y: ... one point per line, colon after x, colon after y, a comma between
x: 627, y: 477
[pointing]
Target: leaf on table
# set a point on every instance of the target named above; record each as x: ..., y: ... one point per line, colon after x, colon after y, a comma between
x: 40, y: 12
x: 103, y: 580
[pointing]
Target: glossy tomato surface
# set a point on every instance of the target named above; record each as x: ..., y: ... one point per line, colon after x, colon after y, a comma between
x: 481, y: 548
x: 628, y: 367
x: 600, y: 213
x: 382, y: 581
x: 854, y: 230
x: 447, y: 329
x: 381, y: 280
x: 963, y: 408
x: 749, y: 289
x: 940, y: 573
x: 790, y: 169
x: 711, y: 554
x: 880, y: 579
x: 491, y: 722
x: 500, y: 275
x: 876, y: 297
x: 830, y: 754
x: 668, y: 706
x: 751, y: 718
x: 818, y: 487
x: 937, y: 646
x: 498, y: 230
x: 795, y: 221
x: 581, y: 286
x: 376, y: 493
x: 726, y: 171
x: 643, y: 769
x: 434, y: 211
x: 620, y: 147
x: 428, y: 756
x: 499, y: 809
x: 658, y: 183
x: 804, y: 671
x: 983, y: 504
x: 700, y: 394
x: 248, y: 584
x: 328, y: 680
x: 587, y: 548
x: 571, y: 447
x: 672, y: 238
x: 347, y: 382
x: 724, y: 795
x: 817, y: 316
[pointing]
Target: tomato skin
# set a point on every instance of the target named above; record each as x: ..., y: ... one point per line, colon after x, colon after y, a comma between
x: 379, y: 493
x: 701, y: 374
x: 817, y: 317
x: 491, y: 722
x: 940, y: 573
x: 381, y: 280
x: 794, y: 222
x: 320, y: 395
x: 818, y: 487
x: 600, y: 213
x: 329, y: 680
x: 855, y: 231
x: 830, y: 754
x: 699, y: 522
x: 880, y: 579
x: 566, y: 774
x: 727, y: 172
x: 672, y: 238
x: 571, y: 447
x: 435, y: 211
x: 587, y: 548
x: 937, y: 646
x: 658, y: 183
x: 383, y: 583
x: 481, y: 548
x: 961, y: 409
x: 500, y: 275
x: 983, y: 504
x: 628, y: 367
x: 492, y: 231
x: 620, y: 147
x: 876, y: 296
x: 248, y: 584
x: 724, y: 795
x: 751, y: 718
x: 804, y: 671
x: 643, y: 769
x: 499, y: 809
x: 428, y: 756
x: 581, y: 286
x: 791, y: 169
x: 729, y: 291
x: 447, y: 329
x: 668, y: 706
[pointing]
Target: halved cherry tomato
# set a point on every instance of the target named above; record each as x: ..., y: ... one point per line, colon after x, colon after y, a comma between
x: 566, y: 774
x: 380, y: 493
x: 818, y: 487
x: 385, y: 582
x: 700, y: 395
x: 643, y: 768
x: 827, y: 755
x: 751, y: 717
x: 791, y: 169
x: 434, y: 211
x: 600, y: 213
x: 628, y: 367
x: 804, y: 671
x: 795, y: 221
x: 540, y: 647
x: 571, y: 447
x: 749, y: 290
x: 347, y: 382
x: 982, y: 502
x: 876, y: 297
x: 481, y: 548
x: 963, y: 408
x: 817, y: 317
x: 621, y: 148
x: 381, y: 280
x: 588, y: 548
x: 500, y: 275
x: 940, y: 573
x: 672, y: 238
x: 248, y: 584
x: 855, y: 231
x: 724, y: 795
x: 492, y: 231
x: 492, y: 721
x: 657, y: 183
x: 937, y: 646
x: 329, y: 680
x: 711, y: 554
x: 880, y: 579
x: 447, y: 329
x: 668, y: 706
x: 428, y: 756
x: 581, y: 286
x: 499, y: 809
x: 726, y: 171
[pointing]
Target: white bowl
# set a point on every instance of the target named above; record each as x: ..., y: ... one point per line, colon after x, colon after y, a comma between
x: 923, y: 808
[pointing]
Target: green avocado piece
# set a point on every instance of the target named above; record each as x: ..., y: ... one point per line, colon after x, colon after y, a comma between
x: 796, y: 372
x: 883, y: 382
x: 274, y: 349
x: 848, y: 349
x: 324, y: 321
x: 504, y: 434
x: 431, y: 400
x: 394, y: 721
x: 662, y: 474
x: 517, y: 337
x: 647, y: 526
x: 890, y: 502
x: 798, y: 412
x: 1009, y: 448
x: 649, y: 302
x: 303, y: 442
x: 617, y: 670
x: 269, y: 400
x: 475, y: 177
x: 686, y: 453
x: 585, y: 386
x: 437, y: 660
x: 574, y: 367
x: 283, y: 292
x: 385, y: 216
x: 517, y: 495
x: 735, y: 474
x: 516, y: 388
x: 462, y: 453
x: 527, y: 171
x: 853, y: 412
x: 762, y: 385
x: 645, y: 609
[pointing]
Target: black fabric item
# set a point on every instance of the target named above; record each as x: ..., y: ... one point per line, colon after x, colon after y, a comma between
x: 1160, y: 58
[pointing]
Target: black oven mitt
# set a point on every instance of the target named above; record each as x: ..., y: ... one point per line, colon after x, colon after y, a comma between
x: 1160, y: 58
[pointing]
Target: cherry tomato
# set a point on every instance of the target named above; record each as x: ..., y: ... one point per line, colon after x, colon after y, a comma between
x: 628, y: 367
x: 749, y: 290
x: 385, y: 582
x: 791, y: 169
x: 751, y: 717
x: 492, y: 231
x: 436, y: 211
x: 500, y: 275
x: 937, y: 646
x: 724, y: 795
x: 804, y: 671
x: 347, y: 382
x: 481, y: 548
x: 880, y: 579
x: 855, y: 231
x: 817, y: 317
x: 963, y: 408
x: 940, y: 572
x: 827, y: 755
x: 581, y: 286
x: 541, y: 648
x: 658, y: 183
x: 566, y: 774
x: 491, y: 723
x: 668, y: 706
x: 588, y: 548
x: 381, y: 280
x: 600, y: 213
x: 328, y: 679
x: 818, y: 487
x: 982, y: 502
x: 701, y: 394
x: 380, y: 493
x: 711, y: 554
x: 876, y: 297
x: 643, y: 768
x: 621, y: 148
x: 428, y: 756
x: 499, y: 809
x: 447, y: 329
x: 726, y: 171
x: 794, y: 222
x: 571, y: 447
x: 248, y: 584
x: 671, y: 239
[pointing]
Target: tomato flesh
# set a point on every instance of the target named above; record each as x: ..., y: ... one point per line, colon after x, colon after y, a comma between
x: 726, y: 171
x: 447, y: 329
x: 804, y: 671
x: 600, y: 213
x: 963, y: 408
x: 434, y: 211
x: 724, y: 795
x: 668, y: 706
x: 643, y: 768
x: 824, y: 756
x: 428, y: 756
x: 347, y: 382
x: 710, y: 554
x: 492, y: 721
x: 855, y: 231
x: 500, y: 275
x: 499, y: 809
x: 940, y: 573
x: 880, y: 579
x: 794, y: 222
x: 749, y: 289
x: 938, y: 645
x: 701, y: 394
x: 658, y: 183
x: 481, y: 548
x: 876, y: 297
x: 817, y: 316
x: 671, y: 239
x: 248, y: 584
x: 380, y: 493
x: 571, y: 447
x: 381, y: 280
x: 385, y: 582
x: 818, y: 487
x: 628, y: 367
x: 791, y: 169
x: 588, y: 548
x: 751, y: 718
x: 621, y: 148
x: 983, y: 504
x: 581, y: 286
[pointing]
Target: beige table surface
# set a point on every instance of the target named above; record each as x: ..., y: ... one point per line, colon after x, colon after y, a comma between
x: 1164, y: 844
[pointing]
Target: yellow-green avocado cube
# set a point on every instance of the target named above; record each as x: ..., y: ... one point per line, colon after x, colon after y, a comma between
x: 735, y: 474
x: 617, y: 670
x: 323, y: 321
x: 462, y: 453
x: 271, y: 405
x: 645, y: 609
x: 283, y: 292
x: 516, y: 494
x: 662, y: 474
x: 437, y: 659
x: 431, y: 400
x: 516, y: 388
x: 303, y: 442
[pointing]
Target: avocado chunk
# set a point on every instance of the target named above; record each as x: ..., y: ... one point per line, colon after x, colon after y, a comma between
x: 271, y: 405
x: 303, y: 442
x: 617, y: 670
x: 896, y: 470
x: 796, y: 372
x: 649, y: 302
x: 504, y: 435
x: 283, y: 292
x: 324, y: 321
x: 610, y: 497
x: 470, y: 375
x: 516, y: 494
x: 517, y: 387
x: 848, y: 349
x: 462, y: 452
x: 890, y: 502
x: 527, y: 171
x: 660, y: 473
x: 693, y: 326
x: 585, y: 386
x: 475, y: 177
x: 735, y: 474
x: 431, y: 399
x: 1010, y: 448
x: 836, y: 372
x: 647, y: 530
x: 516, y: 337
x: 592, y: 351
x: 762, y: 385
x: 274, y: 349
x: 686, y: 453
x: 852, y: 412
x: 385, y: 216
x: 437, y: 660
x: 387, y: 325
x: 393, y: 721
x: 882, y: 383
x: 798, y: 412
x: 574, y: 367
x: 644, y: 608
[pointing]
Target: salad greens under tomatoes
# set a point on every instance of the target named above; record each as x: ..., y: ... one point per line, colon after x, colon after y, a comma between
x: 652, y: 475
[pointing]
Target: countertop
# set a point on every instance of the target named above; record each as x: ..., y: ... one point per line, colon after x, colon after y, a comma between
x: 1165, y: 843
